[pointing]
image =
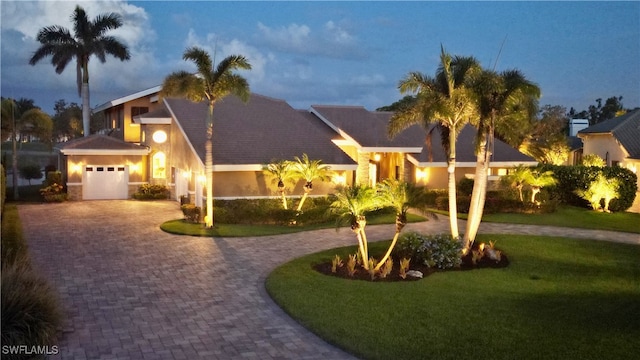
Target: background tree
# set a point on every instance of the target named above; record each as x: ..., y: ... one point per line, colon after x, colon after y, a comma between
x: 548, y: 142
x: 445, y: 100
x: 35, y: 123
x: 211, y: 85
x: 87, y: 40
x: 30, y: 171
x: 504, y: 100
x: 597, y: 113
x: 67, y: 121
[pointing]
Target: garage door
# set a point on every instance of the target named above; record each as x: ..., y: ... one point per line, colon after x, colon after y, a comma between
x: 105, y: 182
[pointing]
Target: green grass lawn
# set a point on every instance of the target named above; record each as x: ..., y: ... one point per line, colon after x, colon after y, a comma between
x: 568, y: 216
x: 559, y: 299
x: 181, y: 227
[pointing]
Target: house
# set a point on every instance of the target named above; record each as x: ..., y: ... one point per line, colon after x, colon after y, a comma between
x: 161, y: 141
x: 616, y: 140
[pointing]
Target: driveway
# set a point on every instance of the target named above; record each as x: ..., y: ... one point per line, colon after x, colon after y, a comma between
x: 131, y: 291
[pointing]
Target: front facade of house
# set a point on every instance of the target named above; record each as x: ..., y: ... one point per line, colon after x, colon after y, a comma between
x: 161, y: 141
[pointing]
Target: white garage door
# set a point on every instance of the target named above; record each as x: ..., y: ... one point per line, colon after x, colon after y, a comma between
x: 105, y: 182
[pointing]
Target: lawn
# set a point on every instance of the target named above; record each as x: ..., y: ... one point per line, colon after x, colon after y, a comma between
x: 568, y: 216
x: 559, y: 299
x: 181, y: 227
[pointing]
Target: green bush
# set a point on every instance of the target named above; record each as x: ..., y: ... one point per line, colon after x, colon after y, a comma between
x: 30, y: 171
x: 462, y: 202
x: 191, y: 212
x: 573, y: 178
x: 151, y: 192
x: 30, y: 311
x: 270, y: 211
x: 465, y: 186
x: 438, y: 251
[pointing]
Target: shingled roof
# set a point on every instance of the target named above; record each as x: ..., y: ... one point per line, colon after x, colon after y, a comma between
x: 101, y: 144
x: 625, y: 129
x: 369, y: 128
x: 434, y: 155
x: 257, y: 132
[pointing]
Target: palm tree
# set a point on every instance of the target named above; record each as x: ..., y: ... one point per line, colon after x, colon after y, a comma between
x: 502, y: 99
x: 309, y: 170
x: 351, y: 205
x: 281, y: 172
x: 401, y: 196
x: 445, y: 100
x: 210, y: 85
x: 8, y: 116
x: 518, y: 178
x: 537, y: 180
x: 88, y: 39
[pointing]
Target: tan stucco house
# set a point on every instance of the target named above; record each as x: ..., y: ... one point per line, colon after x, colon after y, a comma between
x: 161, y: 141
x: 616, y: 140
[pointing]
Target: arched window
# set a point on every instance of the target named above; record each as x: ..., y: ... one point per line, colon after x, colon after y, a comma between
x: 159, y: 163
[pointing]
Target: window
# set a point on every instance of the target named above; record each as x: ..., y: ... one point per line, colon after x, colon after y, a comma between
x: 138, y: 110
x: 159, y: 165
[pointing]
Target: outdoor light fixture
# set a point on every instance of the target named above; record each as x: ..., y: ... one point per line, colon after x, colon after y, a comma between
x: 376, y: 157
x: 76, y: 168
x: 134, y: 168
x: 422, y: 174
x: 202, y: 178
x: 159, y: 136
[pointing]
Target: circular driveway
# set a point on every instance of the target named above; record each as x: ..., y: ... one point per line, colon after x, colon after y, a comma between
x: 131, y: 291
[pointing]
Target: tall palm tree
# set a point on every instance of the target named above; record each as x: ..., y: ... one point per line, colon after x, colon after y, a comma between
x: 351, y: 205
x: 280, y: 171
x: 518, y: 178
x: 88, y: 39
x: 503, y: 99
x: 210, y: 85
x: 309, y: 170
x: 446, y: 100
x: 401, y: 196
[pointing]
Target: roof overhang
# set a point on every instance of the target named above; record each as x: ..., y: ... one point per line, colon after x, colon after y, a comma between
x: 151, y: 120
x: 105, y: 152
x: 443, y: 164
x: 127, y: 98
x: 391, y: 149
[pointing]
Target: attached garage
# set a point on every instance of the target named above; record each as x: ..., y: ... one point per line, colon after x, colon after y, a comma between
x: 101, y: 167
x: 105, y: 182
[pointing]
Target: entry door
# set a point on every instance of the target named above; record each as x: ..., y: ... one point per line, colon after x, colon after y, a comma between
x: 102, y: 182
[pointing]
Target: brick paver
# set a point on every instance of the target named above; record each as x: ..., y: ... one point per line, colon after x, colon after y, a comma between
x: 131, y: 291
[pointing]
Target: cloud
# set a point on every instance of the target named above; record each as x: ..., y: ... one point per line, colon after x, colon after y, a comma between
x: 332, y: 41
x: 18, y: 45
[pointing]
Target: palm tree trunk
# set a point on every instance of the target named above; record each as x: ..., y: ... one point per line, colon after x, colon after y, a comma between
x: 208, y: 166
x: 478, y: 195
x: 362, y: 248
x: 389, y: 250
x: 86, y: 110
x: 307, y: 190
x: 534, y: 191
x: 284, y: 200
x: 451, y: 169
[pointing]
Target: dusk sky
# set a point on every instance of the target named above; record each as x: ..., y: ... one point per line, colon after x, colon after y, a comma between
x: 351, y: 53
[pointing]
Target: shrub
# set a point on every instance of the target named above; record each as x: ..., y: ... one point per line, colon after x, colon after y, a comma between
x: 462, y: 201
x: 573, y: 179
x: 30, y: 309
x: 53, y: 193
x: 593, y: 160
x: 30, y: 172
x: 191, y: 212
x: 438, y: 251
x: 465, y: 186
x: 151, y: 192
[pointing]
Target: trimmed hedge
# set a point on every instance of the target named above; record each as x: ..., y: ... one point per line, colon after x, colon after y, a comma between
x: 572, y: 178
x: 151, y: 192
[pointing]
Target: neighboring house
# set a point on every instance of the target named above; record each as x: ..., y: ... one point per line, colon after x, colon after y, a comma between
x: 161, y: 141
x: 616, y: 140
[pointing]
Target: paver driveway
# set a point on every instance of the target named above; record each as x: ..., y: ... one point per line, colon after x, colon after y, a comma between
x: 131, y: 291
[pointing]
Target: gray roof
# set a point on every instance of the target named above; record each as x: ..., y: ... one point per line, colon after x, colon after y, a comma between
x: 256, y: 132
x: 465, y: 149
x: 625, y: 129
x: 99, y: 142
x: 369, y: 128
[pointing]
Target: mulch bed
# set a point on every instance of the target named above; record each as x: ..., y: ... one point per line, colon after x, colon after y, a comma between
x: 362, y: 274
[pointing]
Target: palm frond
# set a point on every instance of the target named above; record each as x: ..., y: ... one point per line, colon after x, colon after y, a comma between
x: 183, y: 84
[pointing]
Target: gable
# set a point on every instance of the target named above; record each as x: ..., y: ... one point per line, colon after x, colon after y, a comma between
x: 624, y: 129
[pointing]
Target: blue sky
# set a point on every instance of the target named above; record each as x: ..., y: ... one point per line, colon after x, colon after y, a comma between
x: 351, y: 53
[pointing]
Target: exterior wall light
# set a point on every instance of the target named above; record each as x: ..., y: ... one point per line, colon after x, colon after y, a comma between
x: 159, y: 136
x: 376, y: 157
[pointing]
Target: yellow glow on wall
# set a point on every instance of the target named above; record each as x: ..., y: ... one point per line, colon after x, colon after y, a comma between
x: 502, y: 172
x: 202, y: 179
x: 186, y: 174
x: 76, y: 168
x: 422, y: 175
x: 159, y: 165
x: 339, y: 179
